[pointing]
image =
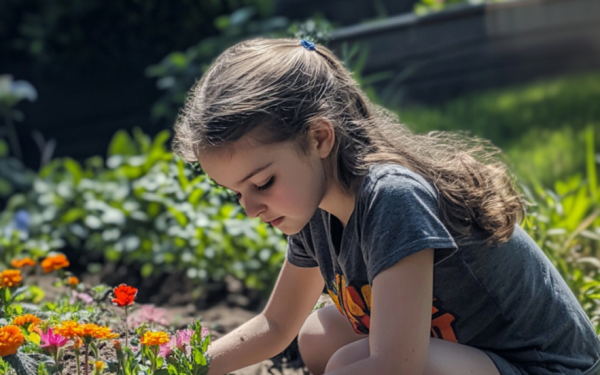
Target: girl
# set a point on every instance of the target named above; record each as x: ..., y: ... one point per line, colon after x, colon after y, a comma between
x: 415, y: 237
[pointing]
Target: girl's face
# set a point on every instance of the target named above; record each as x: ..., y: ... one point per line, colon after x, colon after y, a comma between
x: 277, y: 183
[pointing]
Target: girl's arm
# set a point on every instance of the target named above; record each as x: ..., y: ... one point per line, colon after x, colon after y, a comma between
x: 269, y: 333
x: 400, y: 319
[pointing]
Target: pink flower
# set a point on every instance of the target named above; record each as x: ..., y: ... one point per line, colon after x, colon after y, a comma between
x: 86, y: 298
x: 165, y: 350
x: 52, y: 341
x: 148, y: 314
x: 180, y: 341
x: 183, y: 338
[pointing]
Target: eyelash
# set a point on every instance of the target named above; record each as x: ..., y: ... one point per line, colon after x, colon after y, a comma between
x: 260, y: 188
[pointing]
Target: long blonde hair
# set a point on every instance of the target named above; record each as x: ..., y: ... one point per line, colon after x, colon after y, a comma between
x: 282, y: 87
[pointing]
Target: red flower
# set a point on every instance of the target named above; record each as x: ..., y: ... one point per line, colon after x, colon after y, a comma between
x: 124, y: 295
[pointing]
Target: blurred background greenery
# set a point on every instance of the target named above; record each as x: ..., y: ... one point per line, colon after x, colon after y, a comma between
x: 90, y: 90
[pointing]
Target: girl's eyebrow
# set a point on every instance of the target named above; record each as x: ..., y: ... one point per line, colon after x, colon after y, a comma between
x: 257, y: 170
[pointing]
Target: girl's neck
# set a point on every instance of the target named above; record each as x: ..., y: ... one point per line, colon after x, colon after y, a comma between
x: 338, y: 203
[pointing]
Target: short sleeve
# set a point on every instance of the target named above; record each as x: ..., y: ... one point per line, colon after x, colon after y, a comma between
x: 297, y: 254
x: 401, y: 217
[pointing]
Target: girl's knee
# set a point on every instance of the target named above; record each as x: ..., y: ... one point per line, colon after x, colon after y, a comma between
x: 348, y: 354
x: 323, y: 333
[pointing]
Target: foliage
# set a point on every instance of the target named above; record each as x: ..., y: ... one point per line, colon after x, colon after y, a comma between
x: 149, y: 209
x: 13, y: 175
x: 539, y: 125
x: 424, y: 7
x: 566, y: 225
x: 79, y: 32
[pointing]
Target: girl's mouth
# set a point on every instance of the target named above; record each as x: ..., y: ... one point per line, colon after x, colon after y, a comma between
x: 276, y: 222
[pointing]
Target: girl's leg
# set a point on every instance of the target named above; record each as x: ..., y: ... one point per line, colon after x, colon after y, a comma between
x: 445, y: 358
x: 328, y: 342
x: 324, y: 333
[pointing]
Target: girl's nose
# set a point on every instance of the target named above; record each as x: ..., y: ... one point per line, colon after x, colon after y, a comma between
x: 253, y: 207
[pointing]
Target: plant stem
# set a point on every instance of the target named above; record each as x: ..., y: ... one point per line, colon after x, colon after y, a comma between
x: 78, y: 360
x: 57, y: 360
x: 12, y: 135
x: 126, y: 329
x: 87, y: 357
x: 155, y: 350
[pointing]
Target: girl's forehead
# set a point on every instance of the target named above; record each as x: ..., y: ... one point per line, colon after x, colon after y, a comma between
x: 231, y: 164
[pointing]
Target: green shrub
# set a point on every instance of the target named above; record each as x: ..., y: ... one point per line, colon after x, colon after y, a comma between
x: 147, y: 208
x: 565, y: 222
x: 523, y: 120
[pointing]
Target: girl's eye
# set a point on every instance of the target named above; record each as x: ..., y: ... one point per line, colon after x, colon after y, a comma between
x: 267, y: 185
x: 238, y: 196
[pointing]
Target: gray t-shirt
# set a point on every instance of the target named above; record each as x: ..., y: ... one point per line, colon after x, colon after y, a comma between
x: 508, y: 300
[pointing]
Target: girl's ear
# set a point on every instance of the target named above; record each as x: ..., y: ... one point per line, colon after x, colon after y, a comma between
x: 322, y: 137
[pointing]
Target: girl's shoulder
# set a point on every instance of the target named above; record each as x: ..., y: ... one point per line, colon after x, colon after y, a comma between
x: 395, y: 178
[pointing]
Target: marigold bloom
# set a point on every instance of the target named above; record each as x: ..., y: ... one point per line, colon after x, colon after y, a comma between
x: 124, y: 295
x: 155, y: 338
x: 68, y: 329
x: 95, y: 331
x: 11, y: 338
x: 53, y: 263
x: 26, y: 319
x: 20, y: 263
x: 73, y: 281
x: 10, y: 278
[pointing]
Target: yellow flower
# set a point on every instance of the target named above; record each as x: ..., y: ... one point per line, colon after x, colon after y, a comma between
x: 11, y: 338
x: 99, y: 367
x: 155, y: 338
x: 10, y: 278
x: 23, y: 320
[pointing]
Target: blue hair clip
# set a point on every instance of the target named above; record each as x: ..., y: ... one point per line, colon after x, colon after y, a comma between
x: 308, y: 45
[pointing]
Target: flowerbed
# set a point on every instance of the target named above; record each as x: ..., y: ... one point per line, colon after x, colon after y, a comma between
x: 81, y: 331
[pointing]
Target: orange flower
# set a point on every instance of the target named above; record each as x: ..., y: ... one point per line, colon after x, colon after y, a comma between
x: 155, y: 338
x: 73, y: 281
x: 117, y: 345
x: 20, y: 263
x: 77, y: 344
x: 26, y: 319
x: 11, y: 338
x: 90, y: 330
x: 10, y: 278
x: 124, y: 295
x: 56, y: 262
x: 68, y: 329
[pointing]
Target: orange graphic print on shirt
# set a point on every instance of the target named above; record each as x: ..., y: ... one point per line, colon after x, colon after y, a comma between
x: 355, y: 304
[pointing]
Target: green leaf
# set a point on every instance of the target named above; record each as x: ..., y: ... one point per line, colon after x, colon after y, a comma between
x: 22, y: 364
x: 179, y: 216
x: 122, y: 144
x: 591, y: 163
x: 146, y: 270
x: 73, y: 214
x: 75, y: 169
